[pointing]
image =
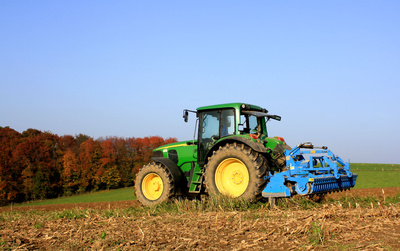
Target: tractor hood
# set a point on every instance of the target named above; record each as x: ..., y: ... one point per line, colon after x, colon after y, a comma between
x: 178, y: 152
x: 175, y: 145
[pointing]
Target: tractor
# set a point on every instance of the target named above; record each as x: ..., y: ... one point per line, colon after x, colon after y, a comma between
x: 233, y: 155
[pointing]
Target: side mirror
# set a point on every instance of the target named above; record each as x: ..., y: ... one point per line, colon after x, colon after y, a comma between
x: 276, y: 117
x: 185, y: 115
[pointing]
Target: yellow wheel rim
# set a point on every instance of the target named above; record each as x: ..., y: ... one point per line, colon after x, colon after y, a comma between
x: 232, y: 177
x: 152, y: 186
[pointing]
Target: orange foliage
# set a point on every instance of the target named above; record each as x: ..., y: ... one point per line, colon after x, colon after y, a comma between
x: 49, y: 166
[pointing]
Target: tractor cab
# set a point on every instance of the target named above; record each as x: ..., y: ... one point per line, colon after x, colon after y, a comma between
x: 222, y: 122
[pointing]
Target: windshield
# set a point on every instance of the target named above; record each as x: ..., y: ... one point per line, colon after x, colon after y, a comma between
x: 254, y: 122
x: 249, y: 123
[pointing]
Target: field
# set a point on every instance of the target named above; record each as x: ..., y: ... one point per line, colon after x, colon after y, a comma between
x: 376, y: 175
x: 366, y: 218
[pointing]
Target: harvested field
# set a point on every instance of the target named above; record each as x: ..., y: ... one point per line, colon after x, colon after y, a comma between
x: 329, y: 226
x: 389, y: 191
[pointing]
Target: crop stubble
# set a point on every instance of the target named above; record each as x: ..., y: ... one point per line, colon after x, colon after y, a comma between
x: 330, y: 226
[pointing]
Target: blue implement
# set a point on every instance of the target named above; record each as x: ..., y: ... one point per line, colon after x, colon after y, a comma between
x: 310, y: 170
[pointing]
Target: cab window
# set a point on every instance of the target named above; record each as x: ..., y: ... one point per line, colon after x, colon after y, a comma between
x: 214, y: 125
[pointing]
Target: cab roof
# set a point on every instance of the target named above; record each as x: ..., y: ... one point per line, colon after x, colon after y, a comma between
x: 236, y: 106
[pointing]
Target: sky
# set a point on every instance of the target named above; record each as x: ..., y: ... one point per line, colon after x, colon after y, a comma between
x: 331, y: 69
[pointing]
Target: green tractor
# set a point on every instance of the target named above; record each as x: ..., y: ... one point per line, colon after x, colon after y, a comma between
x: 233, y: 155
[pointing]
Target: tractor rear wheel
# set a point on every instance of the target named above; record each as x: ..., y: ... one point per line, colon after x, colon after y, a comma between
x: 236, y: 170
x: 154, y: 184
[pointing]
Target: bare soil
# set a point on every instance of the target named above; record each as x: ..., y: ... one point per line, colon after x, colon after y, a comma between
x: 331, y: 227
x: 387, y: 191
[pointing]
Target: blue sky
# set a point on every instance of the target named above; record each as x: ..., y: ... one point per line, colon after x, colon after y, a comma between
x: 331, y: 69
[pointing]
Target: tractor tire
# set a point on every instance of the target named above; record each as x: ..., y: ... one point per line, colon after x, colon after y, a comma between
x: 236, y: 170
x: 154, y: 185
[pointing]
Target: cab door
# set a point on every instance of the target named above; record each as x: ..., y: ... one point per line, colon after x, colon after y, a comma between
x: 214, y: 125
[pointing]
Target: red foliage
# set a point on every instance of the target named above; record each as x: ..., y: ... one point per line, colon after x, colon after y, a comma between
x: 10, y: 172
x: 36, y: 155
x: 37, y: 165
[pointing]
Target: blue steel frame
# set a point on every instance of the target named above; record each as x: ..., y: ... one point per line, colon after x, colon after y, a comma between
x: 310, y: 171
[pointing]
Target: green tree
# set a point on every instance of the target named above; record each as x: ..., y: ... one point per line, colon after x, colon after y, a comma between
x: 111, y: 177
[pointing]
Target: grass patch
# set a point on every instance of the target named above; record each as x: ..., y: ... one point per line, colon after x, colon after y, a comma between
x: 71, y: 214
x: 316, y: 234
x: 374, y: 167
x: 377, y: 179
x: 102, y: 196
x: 376, y: 175
x: 103, y: 235
x: 38, y: 225
x: 301, y: 202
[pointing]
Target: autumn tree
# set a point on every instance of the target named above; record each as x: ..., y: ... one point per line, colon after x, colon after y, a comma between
x: 10, y: 172
x: 36, y: 155
x: 124, y: 161
x: 109, y: 163
x: 90, y: 166
x: 71, y: 173
x: 39, y: 165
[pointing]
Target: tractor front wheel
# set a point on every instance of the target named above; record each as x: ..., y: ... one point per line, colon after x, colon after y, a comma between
x: 153, y: 185
x: 236, y: 170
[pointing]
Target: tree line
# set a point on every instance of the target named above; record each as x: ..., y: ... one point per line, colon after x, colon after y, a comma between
x: 43, y: 165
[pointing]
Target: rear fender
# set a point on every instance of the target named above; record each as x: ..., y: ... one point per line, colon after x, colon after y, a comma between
x: 256, y: 146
